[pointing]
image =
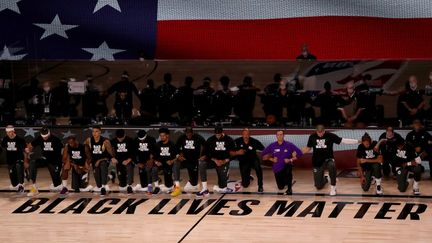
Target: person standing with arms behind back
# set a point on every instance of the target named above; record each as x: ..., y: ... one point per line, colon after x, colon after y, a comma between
x: 322, y: 143
x: 282, y: 153
x: 247, y: 148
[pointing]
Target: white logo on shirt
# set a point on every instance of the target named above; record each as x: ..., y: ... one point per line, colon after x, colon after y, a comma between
x: 220, y: 146
x: 48, y: 146
x: 121, y: 148
x: 321, y: 143
x: 370, y: 154
x: 401, y: 154
x: 143, y: 147
x: 76, y: 155
x: 11, y: 146
x: 189, y: 144
x: 165, y: 151
x: 97, y: 149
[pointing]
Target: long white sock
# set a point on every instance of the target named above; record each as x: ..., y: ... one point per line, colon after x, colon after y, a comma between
x: 204, y: 185
x: 415, y: 184
x: 64, y: 183
x: 156, y: 183
x: 378, y: 182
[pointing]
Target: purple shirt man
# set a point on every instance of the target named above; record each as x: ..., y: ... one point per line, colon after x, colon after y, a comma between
x: 282, y: 151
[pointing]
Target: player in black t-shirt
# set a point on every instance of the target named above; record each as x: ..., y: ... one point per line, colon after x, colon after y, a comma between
x: 219, y: 149
x: 76, y: 157
x: 387, y: 145
x: 101, y: 152
x: 406, y: 161
x: 190, y: 146
x: 123, y: 148
x: 322, y: 144
x: 247, y: 148
x: 14, y: 147
x: 165, y: 156
x: 369, y: 164
x: 51, y: 147
x: 147, y: 170
x: 421, y: 141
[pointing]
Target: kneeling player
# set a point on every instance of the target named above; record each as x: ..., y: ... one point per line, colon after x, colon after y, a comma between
x: 219, y: 149
x: 147, y: 170
x: 76, y: 157
x: 369, y: 164
x: 14, y: 147
x: 164, y: 157
x: 123, y: 153
x: 405, y: 162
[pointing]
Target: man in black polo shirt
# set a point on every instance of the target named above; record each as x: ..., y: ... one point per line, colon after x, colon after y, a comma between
x: 421, y: 141
x: 247, y: 148
x: 14, y: 147
x: 218, y: 151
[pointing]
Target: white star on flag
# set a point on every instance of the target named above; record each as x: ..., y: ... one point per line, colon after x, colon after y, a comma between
x: 29, y: 132
x: 55, y: 28
x: 106, y: 134
x: 102, y: 3
x: 102, y: 52
x: 10, y: 4
x: 67, y: 134
x: 6, y: 55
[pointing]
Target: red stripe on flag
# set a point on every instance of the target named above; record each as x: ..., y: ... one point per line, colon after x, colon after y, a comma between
x: 328, y: 38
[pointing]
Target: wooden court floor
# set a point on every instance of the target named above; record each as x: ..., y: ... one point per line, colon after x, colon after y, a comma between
x: 306, y: 216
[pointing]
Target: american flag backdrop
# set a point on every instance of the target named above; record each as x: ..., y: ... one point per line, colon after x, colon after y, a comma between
x: 214, y: 29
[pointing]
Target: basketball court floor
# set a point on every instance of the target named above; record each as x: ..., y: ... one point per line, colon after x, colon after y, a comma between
x: 247, y: 216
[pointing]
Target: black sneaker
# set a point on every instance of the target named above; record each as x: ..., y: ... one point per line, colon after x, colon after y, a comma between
x: 103, y: 191
x: 288, y: 191
x: 112, y: 177
x: 64, y: 191
x: 260, y: 189
x: 20, y: 189
x: 129, y: 190
x: 156, y: 190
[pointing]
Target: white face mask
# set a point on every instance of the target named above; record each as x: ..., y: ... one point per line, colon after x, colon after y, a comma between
x: 413, y: 86
x: 46, y: 89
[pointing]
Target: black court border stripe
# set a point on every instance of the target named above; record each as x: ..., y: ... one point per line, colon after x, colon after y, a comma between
x: 266, y: 193
x: 206, y: 213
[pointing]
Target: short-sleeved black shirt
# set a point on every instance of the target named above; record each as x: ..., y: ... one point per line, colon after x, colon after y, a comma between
x: 51, y: 148
x: 190, y: 148
x: 219, y: 148
x: 14, y: 149
x: 251, y: 149
x: 322, y: 147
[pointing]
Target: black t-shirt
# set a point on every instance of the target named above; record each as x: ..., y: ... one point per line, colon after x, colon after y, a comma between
x: 98, y: 149
x: 419, y: 139
x: 322, y: 147
x: 51, y: 148
x: 14, y: 148
x: 145, y: 148
x: 190, y: 148
x: 165, y: 151
x: 403, y: 155
x: 367, y: 153
x: 123, y: 150
x: 77, y: 155
x: 219, y: 148
x: 389, y: 147
x: 251, y: 149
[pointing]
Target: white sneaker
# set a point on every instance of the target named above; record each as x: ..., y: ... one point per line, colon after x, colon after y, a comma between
x: 217, y: 189
x: 107, y: 188
x: 416, y: 191
x: 137, y: 187
x: 332, y: 190
x: 55, y: 188
x: 167, y: 189
x: 226, y: 190
x: 189, y: 188
x: 122, y: 189
x: 89, y: 188
x: 379, y: 190
x: 13, y: 188
x: 97, y: 189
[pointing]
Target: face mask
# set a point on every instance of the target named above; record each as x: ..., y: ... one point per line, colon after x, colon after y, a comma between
x: 46, y: 89
x: 413, y: 86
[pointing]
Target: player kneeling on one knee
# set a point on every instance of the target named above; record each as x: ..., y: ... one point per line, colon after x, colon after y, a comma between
x: 147, y: 169
x: 406, y: 161
x: 15, y: 156
x: 369, y: 164
x: 123, y: 148
x: 219, y: 149
x: 322, y: 158
x: 76, y: 157
x: 282, y: 154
